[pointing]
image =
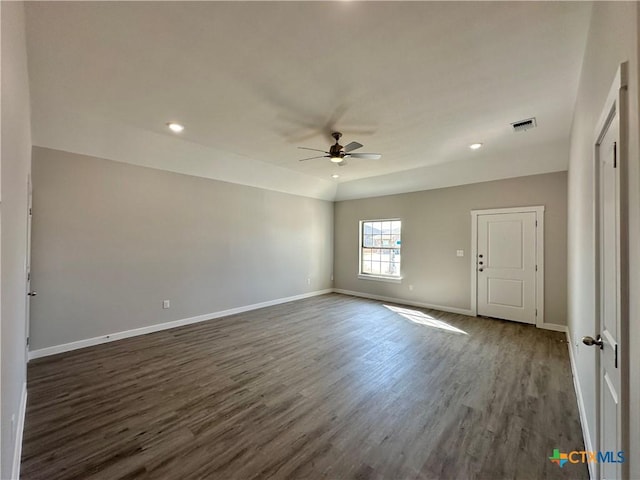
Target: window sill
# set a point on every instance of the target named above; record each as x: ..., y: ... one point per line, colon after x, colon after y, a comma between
x: 378, y: 278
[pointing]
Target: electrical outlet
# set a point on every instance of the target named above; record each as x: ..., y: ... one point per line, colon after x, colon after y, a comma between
x: 166, y: 304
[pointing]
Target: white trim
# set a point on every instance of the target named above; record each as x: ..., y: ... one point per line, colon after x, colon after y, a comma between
x: 497, y: 211
x: 553, y: 326
x: 613, y: 101
x: 473, y: 259
x: 615, y: 104
x: 581, y: 410
x: 401, y: 301
x: 67, y: 347
x: 379, y: 278
x: 540, y: 264
x: 17, y: 448
x: 539, y: 211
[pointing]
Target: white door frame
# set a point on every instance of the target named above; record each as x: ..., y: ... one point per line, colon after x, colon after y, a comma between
x: 616, y: 103
x: 539, y: 211
x: 28, y: 259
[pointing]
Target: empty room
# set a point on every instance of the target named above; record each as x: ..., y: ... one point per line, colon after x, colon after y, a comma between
x: 320, y: 240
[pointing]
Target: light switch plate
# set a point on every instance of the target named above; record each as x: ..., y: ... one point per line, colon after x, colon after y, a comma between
x: 460, y: 253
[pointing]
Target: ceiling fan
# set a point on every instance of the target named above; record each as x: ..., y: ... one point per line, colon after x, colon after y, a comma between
x: 338, y: 154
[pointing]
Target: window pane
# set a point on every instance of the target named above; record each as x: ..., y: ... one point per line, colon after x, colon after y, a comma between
x: 394, y: 269
x: 376, y: 227
x: 384, y: 268
x: 375, y: 268
x: 366, y: 254
x: 366, y: 267
x: 386, y: 227
x: 395, y: 227
x: 368, y: 241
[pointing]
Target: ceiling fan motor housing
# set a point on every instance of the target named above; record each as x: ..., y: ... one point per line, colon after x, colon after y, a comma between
x: 336, y: 150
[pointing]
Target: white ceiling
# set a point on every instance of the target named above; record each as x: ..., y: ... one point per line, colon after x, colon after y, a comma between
x: 417, y: 82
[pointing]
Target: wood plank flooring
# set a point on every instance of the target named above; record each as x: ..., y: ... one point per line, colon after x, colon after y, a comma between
x: 333, y: 387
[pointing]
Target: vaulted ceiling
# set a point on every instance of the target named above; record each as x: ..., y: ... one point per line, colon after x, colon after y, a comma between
x: 252, y: 81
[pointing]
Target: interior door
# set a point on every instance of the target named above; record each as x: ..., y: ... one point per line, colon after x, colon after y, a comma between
x: 506, y: 266
x: 610, y: 432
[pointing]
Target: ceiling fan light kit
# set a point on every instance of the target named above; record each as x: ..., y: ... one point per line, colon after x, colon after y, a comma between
x: 338, y: 154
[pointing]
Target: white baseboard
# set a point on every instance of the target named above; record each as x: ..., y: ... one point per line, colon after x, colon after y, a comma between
x: 583, y: 417
x: 401, y: 301
x: 67, y: 347
x: 553, y: 326
x: 17, y: 448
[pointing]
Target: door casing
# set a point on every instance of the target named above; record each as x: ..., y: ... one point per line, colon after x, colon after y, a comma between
x: 615, y: 105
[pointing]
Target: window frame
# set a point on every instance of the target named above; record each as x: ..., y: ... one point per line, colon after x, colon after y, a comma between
x: 361, y: 247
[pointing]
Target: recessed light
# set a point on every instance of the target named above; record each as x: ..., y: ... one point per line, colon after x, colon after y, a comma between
x: 475, y: 146
x: 175, y: 127
x: 335, y: 175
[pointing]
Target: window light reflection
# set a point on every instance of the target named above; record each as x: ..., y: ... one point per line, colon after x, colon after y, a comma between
x: 422, y: 318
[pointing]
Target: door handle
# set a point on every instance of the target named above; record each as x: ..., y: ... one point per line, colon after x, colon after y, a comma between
x: 32, y: 294
x: 591, y: 342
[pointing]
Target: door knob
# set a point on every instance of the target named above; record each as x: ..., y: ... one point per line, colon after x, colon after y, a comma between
x: 32, y: 294
x: 591, y: 342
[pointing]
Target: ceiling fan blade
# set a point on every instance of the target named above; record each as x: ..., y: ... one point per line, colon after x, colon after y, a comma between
x: 301, y: 135
x: 314, y: 149
x: 352, y: 146
x: 313, y: 158
x: 367, y: 156
x: 330, y: 126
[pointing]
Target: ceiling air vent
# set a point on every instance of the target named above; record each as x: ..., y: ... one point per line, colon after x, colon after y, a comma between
x: 523, y: 125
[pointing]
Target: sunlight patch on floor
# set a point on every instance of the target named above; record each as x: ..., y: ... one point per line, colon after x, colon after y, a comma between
x: 422, y: 318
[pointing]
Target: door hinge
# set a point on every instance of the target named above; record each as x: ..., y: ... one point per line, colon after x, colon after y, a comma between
x: 536, y: 312
x: 30, y: 211
x: 615, y: 358
x: 536, y: 268
x: 615, y: 155
x: 27, y: 341
x: 536, y: 223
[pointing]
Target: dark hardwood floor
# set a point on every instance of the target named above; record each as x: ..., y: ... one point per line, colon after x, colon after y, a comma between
x: 330, y: 387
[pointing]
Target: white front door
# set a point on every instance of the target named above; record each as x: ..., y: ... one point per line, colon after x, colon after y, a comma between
x: 506, y: 266
x: 609, y: 377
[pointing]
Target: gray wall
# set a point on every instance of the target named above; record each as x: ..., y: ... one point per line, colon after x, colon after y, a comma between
x: 111, y: 241
x: 612, y: 39
x: 16, y: 154
x: 436, y: 223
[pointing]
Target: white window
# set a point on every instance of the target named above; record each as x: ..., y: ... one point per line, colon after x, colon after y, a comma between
x: 380, y: 245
